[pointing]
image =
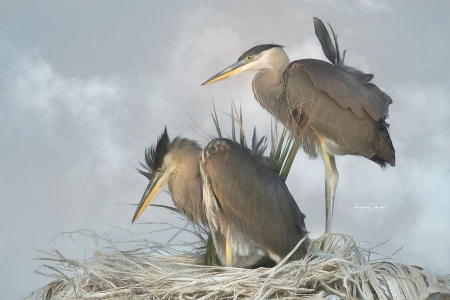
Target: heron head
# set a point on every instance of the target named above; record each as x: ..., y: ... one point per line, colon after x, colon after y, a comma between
x: 158, y: 167
x: 257, y: 58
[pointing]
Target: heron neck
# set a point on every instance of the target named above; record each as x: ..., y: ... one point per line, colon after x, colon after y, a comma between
x: 185, y: 186
x: 268, y: 88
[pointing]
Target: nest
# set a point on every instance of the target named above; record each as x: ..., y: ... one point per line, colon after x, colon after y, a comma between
x: 334, y: 268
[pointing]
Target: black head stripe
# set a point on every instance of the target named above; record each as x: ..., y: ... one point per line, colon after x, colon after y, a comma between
x: 258, y: 49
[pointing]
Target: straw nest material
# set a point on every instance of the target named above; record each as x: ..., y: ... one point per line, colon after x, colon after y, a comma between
x: 335, y: 268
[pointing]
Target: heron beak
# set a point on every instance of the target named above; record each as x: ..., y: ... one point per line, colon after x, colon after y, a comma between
x: 150, y: 192
x: 227, y: 72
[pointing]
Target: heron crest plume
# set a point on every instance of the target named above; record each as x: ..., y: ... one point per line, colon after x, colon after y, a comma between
x: 154, y: 155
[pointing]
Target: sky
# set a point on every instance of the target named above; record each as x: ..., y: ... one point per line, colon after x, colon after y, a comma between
x: 86, y: 86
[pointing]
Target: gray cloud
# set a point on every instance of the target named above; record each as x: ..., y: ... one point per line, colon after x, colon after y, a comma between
x: 84, y: 88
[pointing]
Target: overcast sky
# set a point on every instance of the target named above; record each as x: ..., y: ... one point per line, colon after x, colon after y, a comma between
x: 85, y: 86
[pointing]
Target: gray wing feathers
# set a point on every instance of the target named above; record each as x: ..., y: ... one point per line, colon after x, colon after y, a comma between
x: 341, y: 109
x: 341, y: 86
x: 332, y: 51
x: 325, y: 40
x: 254, y: 199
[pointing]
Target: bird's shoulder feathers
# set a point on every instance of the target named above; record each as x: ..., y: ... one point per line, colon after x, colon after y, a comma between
x: 311, y: 76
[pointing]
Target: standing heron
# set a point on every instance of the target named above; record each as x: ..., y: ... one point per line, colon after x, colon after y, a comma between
x: 250, y: 212
x: 333, y: 107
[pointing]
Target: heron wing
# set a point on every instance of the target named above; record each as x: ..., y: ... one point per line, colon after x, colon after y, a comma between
x: 252, y: 198
x: 349, y: 113
x: 341, y: 86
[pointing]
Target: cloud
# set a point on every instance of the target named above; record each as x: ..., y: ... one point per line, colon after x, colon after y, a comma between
x: 373, y: 6
x: 67, y: 158
x: 70, y: 112
x: 84, y: 89
x: 357, y: 6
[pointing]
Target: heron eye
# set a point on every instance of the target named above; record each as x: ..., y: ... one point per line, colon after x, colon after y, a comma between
x: 249, y: 57
x: 159, y: 170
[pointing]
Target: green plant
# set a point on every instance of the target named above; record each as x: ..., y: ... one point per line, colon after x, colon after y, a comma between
x: 283, y: 147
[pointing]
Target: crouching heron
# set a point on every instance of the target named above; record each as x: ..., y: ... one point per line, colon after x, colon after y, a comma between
x: 249, y: 210
x: 337, y: 108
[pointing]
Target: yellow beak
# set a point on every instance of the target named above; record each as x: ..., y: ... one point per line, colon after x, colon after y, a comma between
x: 225, y: 73
x: 150, y: 192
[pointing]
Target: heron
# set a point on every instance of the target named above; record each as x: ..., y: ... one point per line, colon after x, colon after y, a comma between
x: 333, y: 108
x: 252, y: 216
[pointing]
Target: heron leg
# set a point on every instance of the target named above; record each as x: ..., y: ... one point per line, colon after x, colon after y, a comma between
x: 331, y: 181
x: 228, y: 253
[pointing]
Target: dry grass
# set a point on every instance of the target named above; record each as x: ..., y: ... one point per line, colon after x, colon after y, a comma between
x: 335, y: 268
